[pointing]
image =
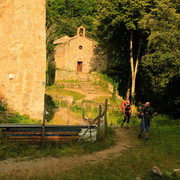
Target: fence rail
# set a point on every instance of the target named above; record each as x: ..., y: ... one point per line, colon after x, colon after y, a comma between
x: 33, y: 132
x: 41, y: 132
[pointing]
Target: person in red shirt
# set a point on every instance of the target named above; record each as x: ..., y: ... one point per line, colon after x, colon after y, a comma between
x: 127, y: 113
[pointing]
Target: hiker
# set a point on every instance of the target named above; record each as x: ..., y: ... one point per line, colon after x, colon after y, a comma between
x: 147, y: 112
x: 127, y: 112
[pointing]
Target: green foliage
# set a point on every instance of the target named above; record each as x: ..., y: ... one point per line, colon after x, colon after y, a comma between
x: 76, y: 108
x: 114, y: 23
x: 50, y: 73
x: 3, y: 106
x: 114, y: 91
x: 7, y: 116
x: 161, y: 64
x: 17, y: 118
x: 106, y: 77
x: 64, y: 104
x: 162, y: 59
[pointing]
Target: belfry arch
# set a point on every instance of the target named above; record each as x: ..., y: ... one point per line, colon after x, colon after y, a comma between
x: 81, y: 31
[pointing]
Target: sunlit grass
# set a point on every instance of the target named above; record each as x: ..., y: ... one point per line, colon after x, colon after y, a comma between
x: 55, y: 90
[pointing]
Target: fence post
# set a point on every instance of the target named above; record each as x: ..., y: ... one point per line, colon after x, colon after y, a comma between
x: 98, y: 124
x: 68, y: 121
x: 105, y: 115
x: 60, y: 105
x: 83, y: 110
x: 43, y: 124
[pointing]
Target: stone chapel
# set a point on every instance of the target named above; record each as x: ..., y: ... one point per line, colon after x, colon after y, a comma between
x: 78, y: 53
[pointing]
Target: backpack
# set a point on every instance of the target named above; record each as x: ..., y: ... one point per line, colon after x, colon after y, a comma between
x: 123, y: 105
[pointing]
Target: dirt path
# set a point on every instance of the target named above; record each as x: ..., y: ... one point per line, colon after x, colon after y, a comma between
x: 25, y: 169
x: 92, y: 95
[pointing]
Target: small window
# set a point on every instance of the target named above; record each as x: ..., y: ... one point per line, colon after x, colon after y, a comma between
x: 80, y: 47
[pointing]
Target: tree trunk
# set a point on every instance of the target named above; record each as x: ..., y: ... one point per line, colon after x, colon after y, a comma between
x: 128, y: 89
x: 133, y: 69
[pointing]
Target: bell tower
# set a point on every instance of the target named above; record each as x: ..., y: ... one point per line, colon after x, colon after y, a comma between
x: 81, y: 31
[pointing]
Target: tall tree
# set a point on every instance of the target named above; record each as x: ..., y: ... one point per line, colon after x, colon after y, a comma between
x: 117, y: 23
x: 162, y: 60
x: 161, y: 63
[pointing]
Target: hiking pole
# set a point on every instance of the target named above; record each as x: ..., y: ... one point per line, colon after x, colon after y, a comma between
x: 133, y: 121
x: 144, y: 130
x: 158, y: 130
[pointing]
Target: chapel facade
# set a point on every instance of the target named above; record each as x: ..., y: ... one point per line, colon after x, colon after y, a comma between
x: 77, y: 53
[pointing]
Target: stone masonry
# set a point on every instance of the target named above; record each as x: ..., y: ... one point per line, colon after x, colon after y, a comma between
x: 78, y: 54
x: 23, y: 55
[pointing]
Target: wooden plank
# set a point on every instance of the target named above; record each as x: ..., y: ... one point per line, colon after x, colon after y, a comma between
x: 38, y: 135
x: 46, y: 138
x: 39, y: 130
x: 47, y: 133
x: 40, y: 126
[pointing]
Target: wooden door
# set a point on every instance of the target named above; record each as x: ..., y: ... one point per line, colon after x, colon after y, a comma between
x: 79, y: 66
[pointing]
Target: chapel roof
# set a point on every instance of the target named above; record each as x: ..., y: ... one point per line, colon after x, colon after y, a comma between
x: 67, y: 38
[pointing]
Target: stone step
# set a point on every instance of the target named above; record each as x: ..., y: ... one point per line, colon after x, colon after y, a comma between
x: 94, y: 90
x: 89, y: 90
x: 87, y: 86
x: 84, y: 80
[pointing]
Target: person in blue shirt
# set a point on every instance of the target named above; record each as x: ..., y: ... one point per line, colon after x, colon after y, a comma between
x: 147, y: 112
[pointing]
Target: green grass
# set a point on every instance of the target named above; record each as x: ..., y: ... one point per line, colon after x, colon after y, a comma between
x: 101, y: 99
x: 60, y: 91
x: 68, y: 81
x: 53, y: 149
x: 136, y: 161
x: 9, y: 117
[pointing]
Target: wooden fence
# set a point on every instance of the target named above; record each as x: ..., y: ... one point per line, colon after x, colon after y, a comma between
x: 33, y: 133
x: 96, y: 121
x: 40, y: 133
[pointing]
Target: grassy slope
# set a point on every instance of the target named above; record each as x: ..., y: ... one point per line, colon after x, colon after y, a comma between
x: 50, y: 90
x: 138, y: 160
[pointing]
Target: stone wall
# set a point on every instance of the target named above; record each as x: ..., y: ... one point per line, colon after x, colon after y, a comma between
x: 99, y: 62
x: 23, y: 55
x: 66, y: 75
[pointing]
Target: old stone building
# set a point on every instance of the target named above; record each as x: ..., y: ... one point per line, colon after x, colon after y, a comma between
x: 23, y: 55
x: 77, y: 54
